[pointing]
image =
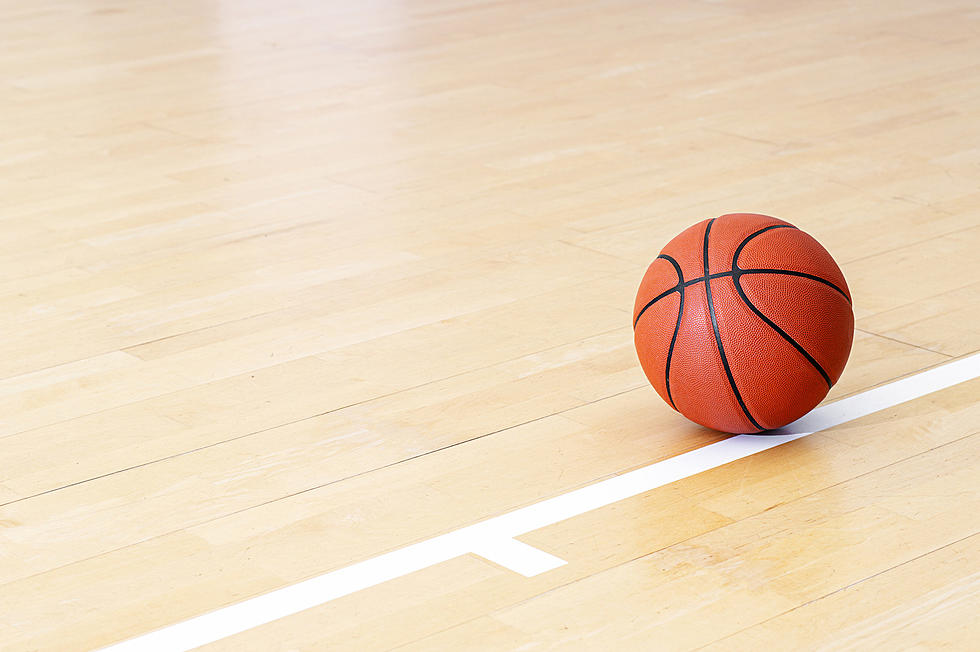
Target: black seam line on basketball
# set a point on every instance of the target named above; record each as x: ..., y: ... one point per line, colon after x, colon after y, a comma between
x: 752, y: 271
x: 788, y: 272
x: 665, y: 293
x: 760, y: 270
x: 736, y: 279
x: 714, y: 326
x: 677, y: 326
x: 783, y: 334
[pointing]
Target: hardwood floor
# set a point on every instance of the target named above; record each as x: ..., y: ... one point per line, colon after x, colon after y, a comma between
x: 287, y: 286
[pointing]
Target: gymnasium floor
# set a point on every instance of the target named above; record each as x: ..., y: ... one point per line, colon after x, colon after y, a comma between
x: 287, y: 287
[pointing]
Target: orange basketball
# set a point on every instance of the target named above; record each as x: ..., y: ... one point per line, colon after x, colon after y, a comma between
x: 743, y: 323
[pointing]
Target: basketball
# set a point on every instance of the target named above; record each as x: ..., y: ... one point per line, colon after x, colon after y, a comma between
x: 743, y: 323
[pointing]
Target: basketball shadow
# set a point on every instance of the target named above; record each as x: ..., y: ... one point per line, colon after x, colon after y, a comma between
x: 820, y: 418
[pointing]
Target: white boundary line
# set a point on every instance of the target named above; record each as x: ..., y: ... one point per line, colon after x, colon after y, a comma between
x: 493, y: 539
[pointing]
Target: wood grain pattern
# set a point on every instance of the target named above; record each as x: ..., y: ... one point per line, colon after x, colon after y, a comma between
x: 284, y: 286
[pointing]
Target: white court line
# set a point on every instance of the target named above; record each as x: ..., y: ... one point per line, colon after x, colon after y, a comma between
x: 517, y: 556
x: 493, y: 538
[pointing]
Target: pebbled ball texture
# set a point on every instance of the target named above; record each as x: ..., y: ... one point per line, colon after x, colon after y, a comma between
x: 743, y: 323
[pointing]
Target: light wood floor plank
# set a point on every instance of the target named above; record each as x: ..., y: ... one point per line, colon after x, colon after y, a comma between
x: 287, y: 286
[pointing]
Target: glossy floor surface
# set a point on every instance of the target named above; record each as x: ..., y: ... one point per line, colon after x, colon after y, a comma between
x: 285, y: 286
